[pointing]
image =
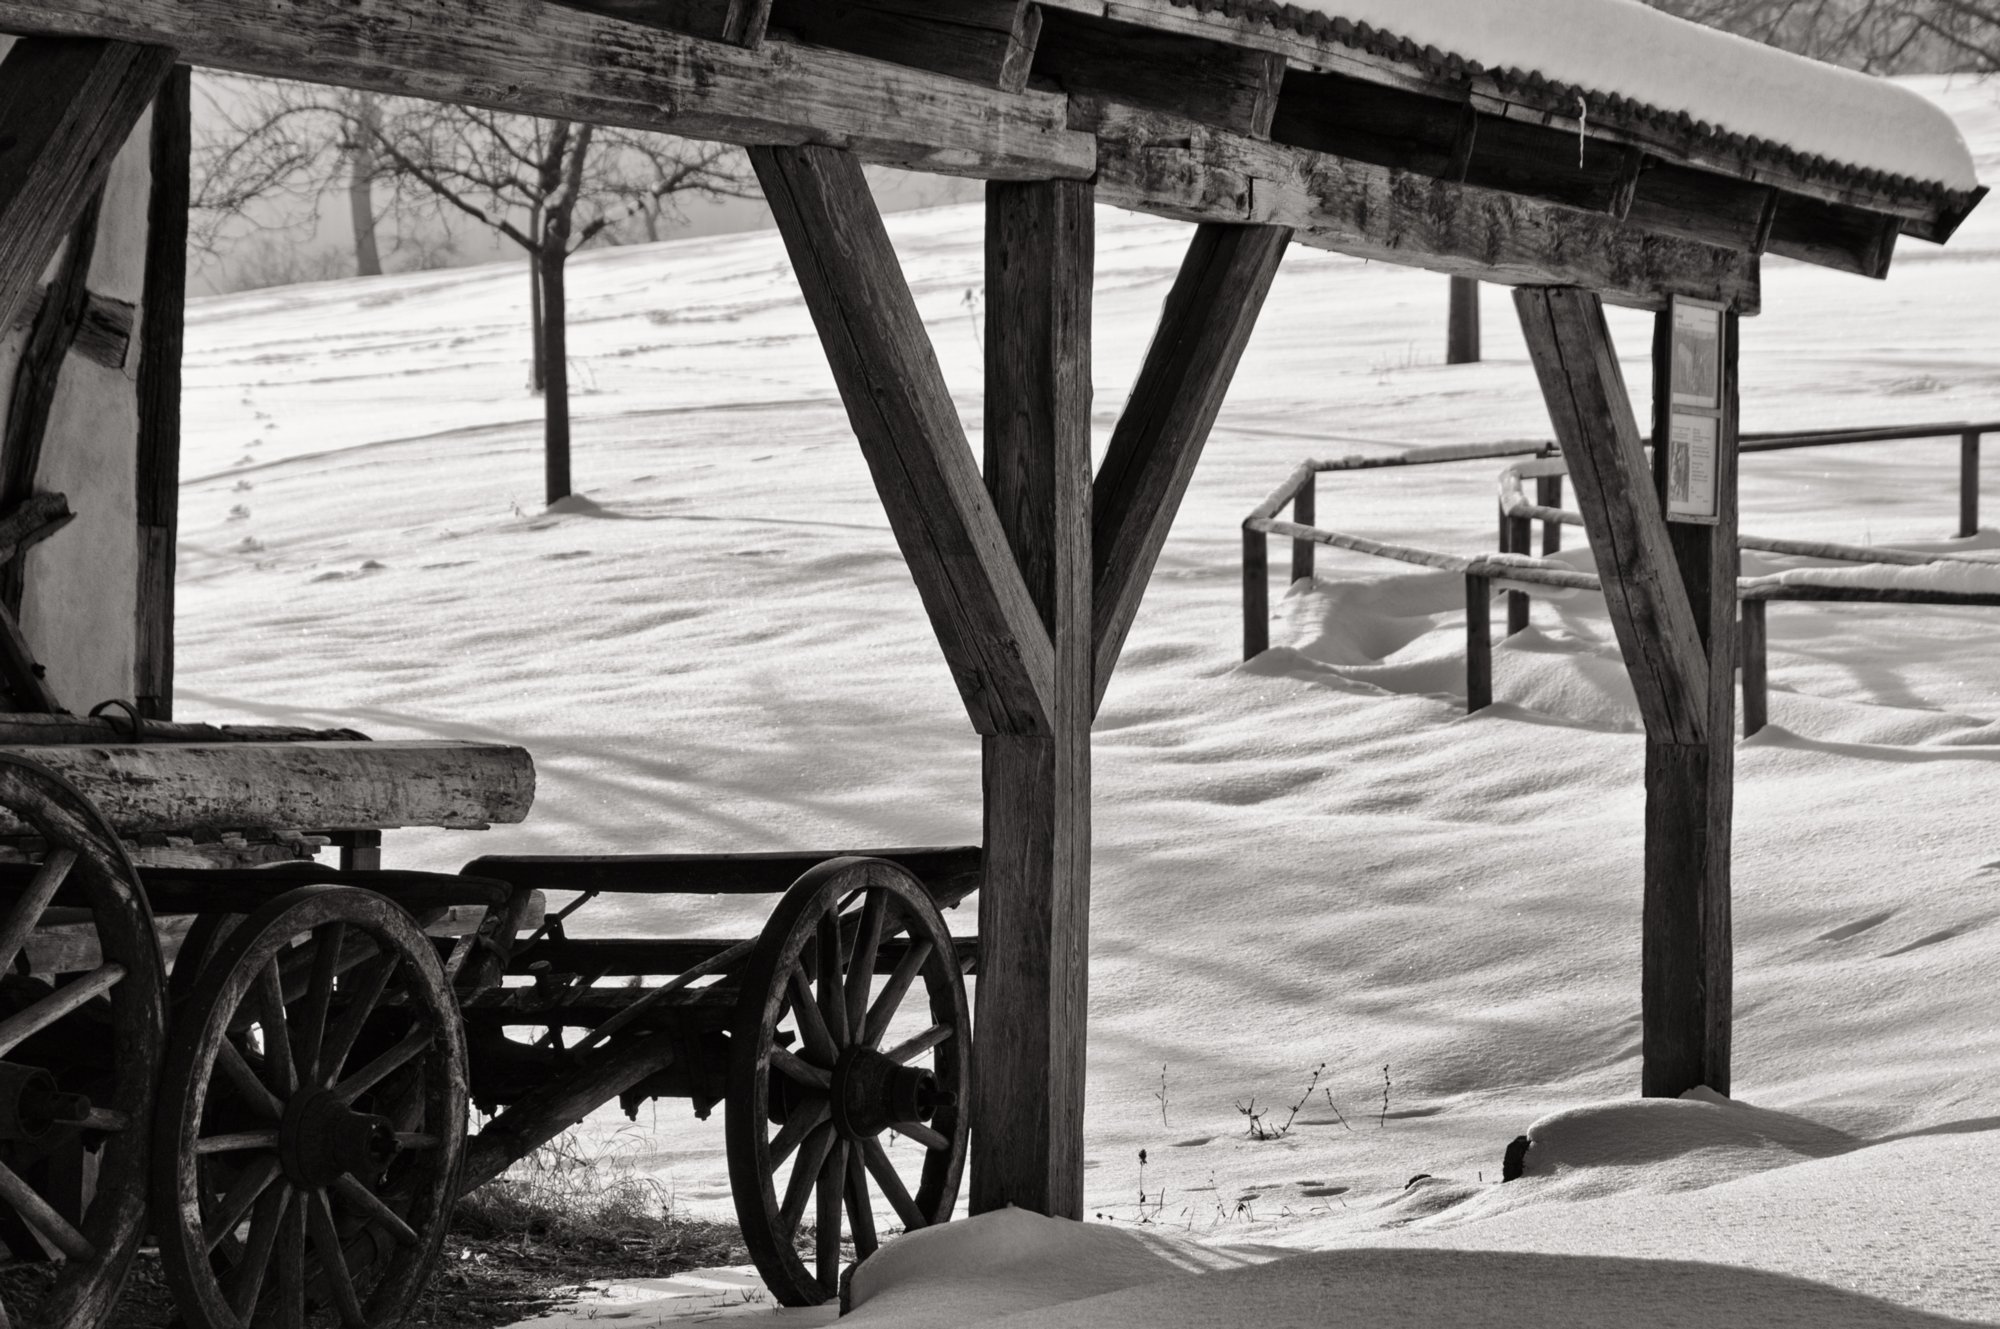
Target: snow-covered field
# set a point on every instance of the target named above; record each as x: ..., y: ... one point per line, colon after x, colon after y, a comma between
x: 1315, y: 858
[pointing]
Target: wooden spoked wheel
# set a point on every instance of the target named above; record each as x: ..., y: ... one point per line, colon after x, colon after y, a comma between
x: 840, y: 1089
x: 82, y: 1025
x: 312, y: 1118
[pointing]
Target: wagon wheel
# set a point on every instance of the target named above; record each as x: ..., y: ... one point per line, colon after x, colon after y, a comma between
x: 80, y: 1047
x: 312, y: 1118
x: 812, y: 1084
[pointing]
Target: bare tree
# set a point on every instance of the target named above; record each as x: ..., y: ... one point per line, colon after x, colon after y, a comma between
x: 549, y: 187
x: 1879, y: 36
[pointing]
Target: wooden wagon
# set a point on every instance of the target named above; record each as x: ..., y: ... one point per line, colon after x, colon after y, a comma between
x: 267, y: 1063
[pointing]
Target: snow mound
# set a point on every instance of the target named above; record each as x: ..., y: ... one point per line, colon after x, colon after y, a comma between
x: 1687, y: 1132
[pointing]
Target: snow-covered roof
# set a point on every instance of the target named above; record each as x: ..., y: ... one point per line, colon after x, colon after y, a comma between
x: 1621, y: 49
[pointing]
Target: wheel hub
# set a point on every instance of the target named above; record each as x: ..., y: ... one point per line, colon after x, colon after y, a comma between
x: 870, y: 1091
x: 321, y: 1137
x: 31, y: 1105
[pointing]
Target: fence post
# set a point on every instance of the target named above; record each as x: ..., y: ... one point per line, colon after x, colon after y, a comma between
x: 1514, y: 540
x: 1478, y: 643
x: 1303, y: 512
x: 1549, y: 493
x: 1256, y: 593
x: 1756, y: 687
x: 1968, y: 484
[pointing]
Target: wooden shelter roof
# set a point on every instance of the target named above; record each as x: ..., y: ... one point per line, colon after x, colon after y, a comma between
x: 1208, y: 110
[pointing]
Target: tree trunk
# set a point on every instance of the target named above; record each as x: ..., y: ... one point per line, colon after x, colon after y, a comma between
x: 539, y: 354
x: 1462, y: 336
x: 555, y: 380
x: 361, y: 186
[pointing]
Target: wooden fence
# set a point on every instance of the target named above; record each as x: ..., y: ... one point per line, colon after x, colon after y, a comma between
x: 1519, y: 570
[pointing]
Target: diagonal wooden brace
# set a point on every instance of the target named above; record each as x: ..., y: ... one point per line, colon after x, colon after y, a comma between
x: 1592, y: 415
x: 993, y: 635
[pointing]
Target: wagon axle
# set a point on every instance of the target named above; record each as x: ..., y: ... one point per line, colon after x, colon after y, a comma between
x: 31, y: 1106
x: 871, y: 1092
x: 321, y: 1138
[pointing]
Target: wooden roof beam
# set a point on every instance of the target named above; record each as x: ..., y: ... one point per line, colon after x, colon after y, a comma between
x: 738, y: 22
x: 1173, y: 167
x: 991, y: 42
x: 539, y: 58
x: 1228, y: 87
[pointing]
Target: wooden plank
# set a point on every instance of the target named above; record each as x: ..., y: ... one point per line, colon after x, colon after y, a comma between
x: 24, y: 678
x: 66, y: 107
x: 619, y: 957
x: 115, y: 728
x: 949, y: 874
x: 1686, y: 976
x: 1755, y: 651
x: 559, y: 1104
x: 1176, y: 167
x: 739, y: 22
x: 1034, y: 913
x: 1592, y: 415
x: 904, y: 418
x: 1206, y: 322
x: 184, y: 787
x: 986, y: 41
x: 1225, y: 87
x: 544, y: 59
x: 164, y: 301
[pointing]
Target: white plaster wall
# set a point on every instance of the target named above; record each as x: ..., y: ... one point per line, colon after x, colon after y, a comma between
x: 80, y: 609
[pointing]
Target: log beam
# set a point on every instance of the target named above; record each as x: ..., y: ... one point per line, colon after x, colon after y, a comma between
x: 738, y: 22
x: 164, y: 301
x: 1592, y: 415
x: 66, y: 107
x: 1034, y: 912
x: 1206, y: 323
x: 986, y: 620
x: 991, y: 42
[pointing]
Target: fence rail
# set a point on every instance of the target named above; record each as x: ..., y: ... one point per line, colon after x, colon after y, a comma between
x: 1516, y: 566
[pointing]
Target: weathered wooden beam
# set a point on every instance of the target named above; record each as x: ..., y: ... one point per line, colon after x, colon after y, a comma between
x: 903, y: 416
x: 544, y: 59
x: 1175, y: 167
x: 949, y: 874
x: 103, y: 335
x: 40, y: 729
x: 1686, y: 960
x: 32, y: 521
x: 619, y: 957
x: 1592, y: 415
x: 560, y: 1103
x: 986, y: 41
x: 1034, y: 912
x: 164, y: 299
x: 1225, y: 87
x: 1204, y: 326
x: 738, y: 22
x: 185, y: 787
x: 22, y: 676
x: 66, y: 107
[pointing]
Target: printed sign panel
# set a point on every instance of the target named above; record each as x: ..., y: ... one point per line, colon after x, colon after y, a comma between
x: 1691, y: 468
x: 1697, y: 353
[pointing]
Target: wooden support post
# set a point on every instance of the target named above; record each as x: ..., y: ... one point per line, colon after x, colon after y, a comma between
x: 1462, y: 332
x: 1203, y: 329
x: 1478, y: 643
x: 1549, y: 493
x: 1756, y: 667
x: 66, y: 108
x: 1034, y: 911
x: 1672, y: 598
x: 1515, y: 533
x: 1304, y: 511
x: 161, y: 324
x: 1968, y: 484
x: 1256, y: 593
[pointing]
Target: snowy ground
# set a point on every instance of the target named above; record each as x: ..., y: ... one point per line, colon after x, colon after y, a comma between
x: 1314, y: 858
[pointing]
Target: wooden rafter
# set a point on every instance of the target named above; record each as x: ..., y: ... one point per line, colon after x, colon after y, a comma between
x: 1207, y: 321
x: 987, y: 622
x: 991, y: 42
x: 159, y: 389
x: 66, y: 107
x: 1593, y: 421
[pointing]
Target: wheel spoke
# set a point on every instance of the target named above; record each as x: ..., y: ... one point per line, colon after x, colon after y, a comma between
x: 105, y: 1119
x: 832, y: 998
x: 860, y: 1209
x: 811, y: 1026
x: 861, y: 965
x: 826, y: 1234
x: 802, y: 1122
x: 319, y: 994
x: 252, y: 1182
x: 27, y: 910
x: 409, y: 1141
x: 800, y: 1070
x: 350, y: 1189
x: 332, y: 1260
x: 368, y: 992
x: 893, y: 1190
x: 27, y: 1023
x: 278, y: 1070
x: 385, y: 1065
x: 921, y: 1133
x: 236, y: 1141
x: 921, y: 1043
x: 804, y: 1173
x: 291, y: 1306
x: 246, y: 1081
x: 39, y: 1214
x: 247, y: 1279
x: 885, y: 1007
